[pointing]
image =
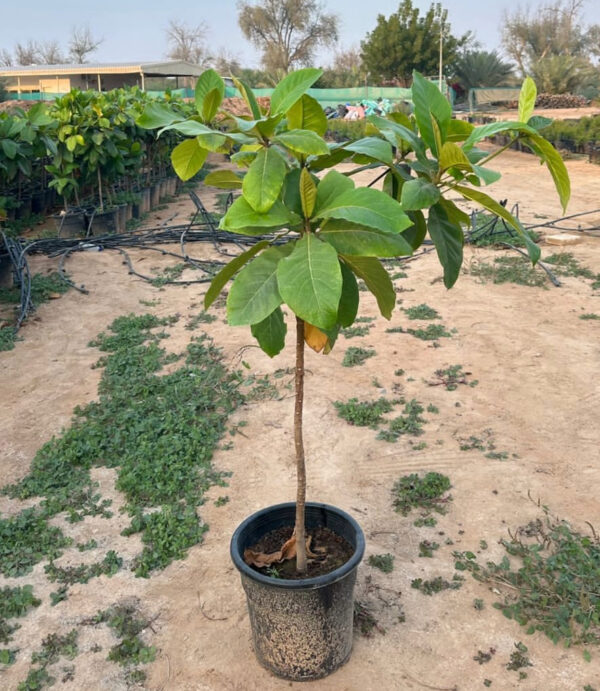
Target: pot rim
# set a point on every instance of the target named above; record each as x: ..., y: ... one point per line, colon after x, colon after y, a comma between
x: 302, y: 583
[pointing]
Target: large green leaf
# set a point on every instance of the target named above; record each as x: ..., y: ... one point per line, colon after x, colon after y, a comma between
x: 348, y: 307
x: 417, y: 232
x: 452, y: 156
x: 242, y: 218
x: 307, y: 114
x: 303, y: 141
x: 254, y: 293
x: 377, y: 280
x: 488, y: 176
x: 349, y: 238
x: 429, y: 101
x: 220, y: 280
x: 187, y: 158
x: 336, y: 156
x: 458, y: 130
x: 550, y: 156
x: 157, y: 115
x: 291, y: 191
x: 492, y: 205
x: 210, y: 89
x: 249, y: 97
x: 243, y: 159
x: 270, y: 333
x: 331, y: 186
x: 310, y: 281
x: 367, y: 207
x: 291, y: 88
x: 448, y: 239
x: 418, y: 194
x: 527, y: 99
x: 493, y: 128
x: 207, y: 138
x: 263, y: 181
x: 224, y: 179
x: 394, y: 131
x: 374, y: 148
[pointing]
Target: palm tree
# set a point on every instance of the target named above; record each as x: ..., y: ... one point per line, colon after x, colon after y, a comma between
x: 480, y: 68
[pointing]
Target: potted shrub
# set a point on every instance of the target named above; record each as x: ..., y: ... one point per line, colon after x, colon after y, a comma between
x: 316, y: 235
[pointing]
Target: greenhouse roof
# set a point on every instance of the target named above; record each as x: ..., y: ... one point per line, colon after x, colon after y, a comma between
x: 150, y: 69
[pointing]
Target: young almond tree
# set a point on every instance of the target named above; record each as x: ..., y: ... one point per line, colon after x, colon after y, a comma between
x: 317, y: 232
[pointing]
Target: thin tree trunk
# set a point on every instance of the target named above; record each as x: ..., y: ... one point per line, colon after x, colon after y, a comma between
x: 299, y: 444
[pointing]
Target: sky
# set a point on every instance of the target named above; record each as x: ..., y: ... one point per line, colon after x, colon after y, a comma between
x: 135, y: 31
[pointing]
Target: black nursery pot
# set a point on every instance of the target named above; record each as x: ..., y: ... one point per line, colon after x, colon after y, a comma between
x: 301, y: 630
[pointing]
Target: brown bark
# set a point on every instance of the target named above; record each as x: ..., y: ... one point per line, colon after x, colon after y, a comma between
x: 299, y: 444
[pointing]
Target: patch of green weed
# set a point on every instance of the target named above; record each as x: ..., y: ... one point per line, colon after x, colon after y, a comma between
x: 427, y: 548
x: 410, y: 422
x: 509, y: 270
x: 363, y: 413
x: 589, y: 315
x: 428, y: 492
x: 383, y: 562
x: 435, y: 585
x: 356, y: 331
x: 357, y: 356
x: 84, y: 572
x: 422, y: 311
x: 201, y: 318
x: 431, y: 333
x: 450, y: 377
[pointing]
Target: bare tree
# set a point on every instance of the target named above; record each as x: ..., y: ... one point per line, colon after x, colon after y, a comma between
x: 82, y: 43
x: 186, y: 43
x: 226, y: 63
x: 287, y: 31
x: 27, y: 53
x: 6, y: 58
x: 50, y: 53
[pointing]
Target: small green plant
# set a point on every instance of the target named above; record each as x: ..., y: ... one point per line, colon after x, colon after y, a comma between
x: 509, y: 270
x: 127, y: 625
x: 519, y: 659
x: 55, y: 646
x: 428, y: 492
x: 168, y: 275
x: 435, y: 585
x: 431, y: 333
x: 433, y: 409
x: 8, y: 336
x: 36, y: 679
x: 356, y: 331
x: 357, y: 356
x: 363, y: 413
x: 425, y: 522
x: 364, y: 620
x: 482, y: 656
x: 553, y: 588
x: 410, y: 423
x: 90, y: 544
x: 478, y: 604
x: 450, y: 378
x: 7, y: 656
x: 221, y: 501
x: 422, y: 311
x: 84, y: 572
x: 59, y: 596
x: 14, y: 602
x: 383, y: 562
x: 427, y: 548
x: 565, y: 264
x: 201, y: 318
x: 589, y: 315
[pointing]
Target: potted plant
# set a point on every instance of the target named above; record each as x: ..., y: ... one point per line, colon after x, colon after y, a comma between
x: 316, y: 235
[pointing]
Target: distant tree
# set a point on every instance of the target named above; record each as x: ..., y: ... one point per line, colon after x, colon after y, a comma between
x: 82, y: 44
x: 226, y: 63
x: 477, y: 68
x: 50, y: 53
x: 345, y: 71
x: 287, y: 32
x: 186, y: 43
x: 554, y: 28
x: 565, y: 74
x: 6, y: 58
x: 405, y: 41
x: 27, y: 53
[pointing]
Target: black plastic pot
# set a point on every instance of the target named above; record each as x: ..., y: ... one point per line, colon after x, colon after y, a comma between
x: 103, y: 222
x: 302, y: 629
x: 69, y: 225
x: 38, y: 202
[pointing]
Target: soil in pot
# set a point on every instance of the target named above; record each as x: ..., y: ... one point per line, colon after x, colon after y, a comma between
x: 332, y: 550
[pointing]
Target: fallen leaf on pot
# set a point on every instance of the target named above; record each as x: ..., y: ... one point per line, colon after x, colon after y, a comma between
x: 288, y: 551
x: 54, y: 296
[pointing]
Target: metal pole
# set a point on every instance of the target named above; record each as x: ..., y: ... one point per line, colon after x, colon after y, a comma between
x: 441, y: 53
x: 143, y: 81
x: 99, y: 83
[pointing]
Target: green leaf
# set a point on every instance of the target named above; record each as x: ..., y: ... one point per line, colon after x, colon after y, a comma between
x: 187, y: 158
x: 491, y: 205
x: 493, y: 128
x: 454, y: 214
x: 396, y: 133
x: 488, y: 176
x: 331, y: 186
x: 291, y: 88
x: 157, y: 115
x: 242, y: 218
x: 210, y: 89
x: 303, y: 142
x: 550, y: 156
x: 220, y: 280
x: 452, y: 156
x: 458, y: 130
x: 71, y: 144
x: 207, y: 138
x: 307, y: 114
x: 448, y: 239
x: 310, y: 281
x: 374, y: 148
x: 429, y: 101
x: 418, y: 194
x: 527, y: 99
x: 377, y: 280
x: 308, y: 193
x: 248, y: 96
x: 367, y: 207
x: 348, y: 307
x: 417, y: 232
x: 224, y: 179
x: 291, y: 191
x: 538, y: 122
x: 254, y: 294
x: 352, y: 239
x: 336, y: 156
x: 243, y: 159
x: 262, y: 183
x: 270, y: 333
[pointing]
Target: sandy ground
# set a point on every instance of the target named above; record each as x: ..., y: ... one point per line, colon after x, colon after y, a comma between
x: 537, y: 365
